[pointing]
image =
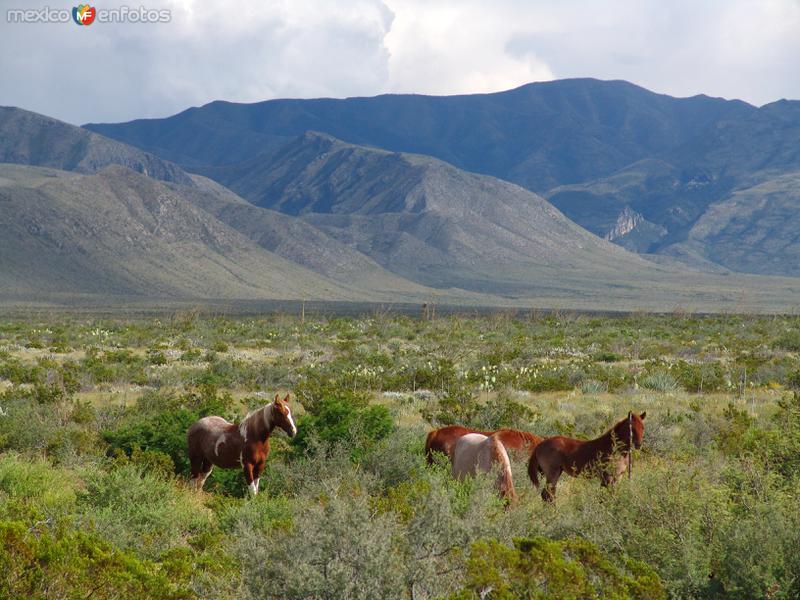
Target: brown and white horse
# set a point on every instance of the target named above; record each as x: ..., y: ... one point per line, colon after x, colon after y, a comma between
x: 560, y: 454
x: 475, y: 452
x: 443, y: 440
x: 213, y: 441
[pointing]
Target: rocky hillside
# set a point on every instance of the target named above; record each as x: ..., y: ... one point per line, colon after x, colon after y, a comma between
x: 29, y: 138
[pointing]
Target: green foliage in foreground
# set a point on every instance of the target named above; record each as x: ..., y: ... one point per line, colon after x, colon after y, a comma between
x: 39, y: 563
x: 538, y: 568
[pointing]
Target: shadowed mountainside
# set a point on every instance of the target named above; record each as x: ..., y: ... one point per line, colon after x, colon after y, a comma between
x: 538, y: 135
x: 29, y: 138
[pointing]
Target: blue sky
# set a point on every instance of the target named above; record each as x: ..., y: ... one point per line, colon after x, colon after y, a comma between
x: 251, y: 51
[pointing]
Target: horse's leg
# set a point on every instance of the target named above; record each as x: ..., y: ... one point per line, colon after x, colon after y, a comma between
x: 552, y: 475
x: 201, y: 479
x: 200, y: 468
x: 610, y: 472
x: 258, y: 468
x: 247, y: 467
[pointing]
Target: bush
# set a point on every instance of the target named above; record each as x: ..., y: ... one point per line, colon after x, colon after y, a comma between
x: 542, y: 568
x: 342, y: 421
x: 661, y: 381
x: 789, y: 341
x: 336, y: 548
x: 40, y: 563
x: 141, y: 510
x: 460, y: 406
x: 698, y: 377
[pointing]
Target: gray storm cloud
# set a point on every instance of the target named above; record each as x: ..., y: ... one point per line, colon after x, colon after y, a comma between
x: 250, y: 51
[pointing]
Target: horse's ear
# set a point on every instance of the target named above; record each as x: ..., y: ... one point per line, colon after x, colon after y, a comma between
x: 277, y: 398
x: 286, y: 399
x: 643, y: 415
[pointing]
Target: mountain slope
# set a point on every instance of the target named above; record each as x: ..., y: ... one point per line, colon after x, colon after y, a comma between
x: 299, y: 242
x: 32, y: 139
x: 120, y: 233
x: 539, y: 135
x: 755, y: 230
x: 424, y: 219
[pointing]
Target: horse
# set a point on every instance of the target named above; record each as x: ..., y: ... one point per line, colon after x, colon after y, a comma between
x: 213, y: 441
x: 443, y: 440
x: 475, y: 452
x: 560, y: 454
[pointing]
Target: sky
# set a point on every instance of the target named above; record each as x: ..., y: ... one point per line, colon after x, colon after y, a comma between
x: 250, y: 51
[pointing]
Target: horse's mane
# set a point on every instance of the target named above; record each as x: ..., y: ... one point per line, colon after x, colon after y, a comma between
x: 526, y: 435
x: 248, y: 419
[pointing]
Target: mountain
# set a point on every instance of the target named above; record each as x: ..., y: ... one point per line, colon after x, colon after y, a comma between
x: 422, y: 218
x: 316, y: 217
x: 539, y: 135
x: 754, y: 230
x: 121, y: 233
x: 636, y: 168
x: 427, y: 221
x: 32, y: 139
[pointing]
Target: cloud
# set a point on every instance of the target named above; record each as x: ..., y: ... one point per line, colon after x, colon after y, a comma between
x: 226, y: 50
x: 250, y: 51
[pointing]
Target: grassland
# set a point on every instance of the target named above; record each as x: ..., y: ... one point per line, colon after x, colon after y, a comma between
x: 94, y: 500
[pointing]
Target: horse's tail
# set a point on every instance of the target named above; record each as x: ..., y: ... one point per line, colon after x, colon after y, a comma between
x: 505, y: 481
x: 429, y: 447
x: 533, y: 468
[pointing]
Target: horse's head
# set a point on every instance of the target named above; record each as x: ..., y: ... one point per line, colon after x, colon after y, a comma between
x: 631, y: 428
x: 282, y: 415
x: 637, y: 427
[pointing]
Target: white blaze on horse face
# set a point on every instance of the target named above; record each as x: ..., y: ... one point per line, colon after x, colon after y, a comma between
x: 291, y: 420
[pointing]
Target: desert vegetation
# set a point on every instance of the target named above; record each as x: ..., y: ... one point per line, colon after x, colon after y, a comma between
x: 94, y: 498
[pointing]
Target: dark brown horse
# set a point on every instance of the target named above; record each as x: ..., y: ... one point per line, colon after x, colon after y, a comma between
x: 519, y: 443
x: 213, y: 441
x: 609, y: 454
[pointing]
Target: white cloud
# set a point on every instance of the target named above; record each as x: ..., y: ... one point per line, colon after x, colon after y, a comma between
x: 250, y: 51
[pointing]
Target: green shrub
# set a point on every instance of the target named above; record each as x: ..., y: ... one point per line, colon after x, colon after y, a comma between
x: 219, y: 346
x: 542, y: 568
x: 34, y: 490
x: 64, y: 563
x: 698, y: 377
x: 141, y: 510
x: 461, y: 406
x: 660, y: 381
x: 156, y: 357
x: 789, y: 341
x: 343, y: 421
x: 607, y: 356
x: 336, y: 548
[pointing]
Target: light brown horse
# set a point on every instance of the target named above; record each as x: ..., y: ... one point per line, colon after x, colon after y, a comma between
x: 475, y: 452
x: 561, y: 454
x: 213, y: 441
x: 443, y: 440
